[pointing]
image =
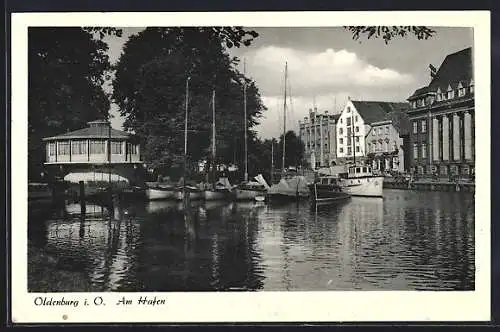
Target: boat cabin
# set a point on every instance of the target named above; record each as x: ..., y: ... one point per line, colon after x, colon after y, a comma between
x: 357, y: 172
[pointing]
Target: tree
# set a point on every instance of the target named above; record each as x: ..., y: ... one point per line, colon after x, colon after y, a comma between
x: 67, y: 68
x: 388, y: 33
x: 150, y: 89
x: 294, y: 150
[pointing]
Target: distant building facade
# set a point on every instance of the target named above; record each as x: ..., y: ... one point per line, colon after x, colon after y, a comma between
x: 318, y: 132
x: 385, y: 147
x: 96, y: 149
x: 355, y: 123
x: 442, y: 119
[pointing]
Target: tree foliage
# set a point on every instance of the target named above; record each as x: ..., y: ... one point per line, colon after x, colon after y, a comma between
x: 150, y: 90
x: 387, y: 33
x: 67, y: 68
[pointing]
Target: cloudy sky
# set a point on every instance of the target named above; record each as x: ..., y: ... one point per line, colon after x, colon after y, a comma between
x: 325, y: 67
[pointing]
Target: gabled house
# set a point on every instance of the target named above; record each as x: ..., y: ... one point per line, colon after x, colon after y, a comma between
x: 355, y: 122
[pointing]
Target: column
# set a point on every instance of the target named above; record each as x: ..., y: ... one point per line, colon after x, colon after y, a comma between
x: 307, y: 128
x: 435, y: 139
x: 321, y: 138
x: 57, y: 149
x: 446, y: 138
x: 124, y: 150
x: 468, y: 136
x: 456, y: 137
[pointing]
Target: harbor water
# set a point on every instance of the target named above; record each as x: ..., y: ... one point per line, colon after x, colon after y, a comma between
x: 408, y: 240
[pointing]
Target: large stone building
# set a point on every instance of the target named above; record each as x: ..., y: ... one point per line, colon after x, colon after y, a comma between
x: 442, y: 117
x: 356, y: 121
x: 92, y: 153
x: 319, y: 136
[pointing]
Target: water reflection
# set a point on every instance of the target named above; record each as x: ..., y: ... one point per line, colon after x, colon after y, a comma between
x: 408, y: 240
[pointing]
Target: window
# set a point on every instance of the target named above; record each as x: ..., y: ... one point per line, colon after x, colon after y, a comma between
x: 357, y: 139
x: 349, y: 150
x: 348, y: 109
x: 386, y: 146
x: 415, y: 127
x: 356, y: 118
x: 97, y: 147
x: 424, y: 150
x: 415, y: 151
x: 349, y: 133
x: 471, y: 86
x: 364, y: 169
x: 438, y: 94
x: 423, y: 125
x: 451, y: 93
x: 386, y: 130
x: 340, y: 120
x: 379, y: 146
x: 341, y: 150
x: 380, y: 131
x: 341, y: 131
x: 369, y: 146
x: 348, y: 121
x: 357, y: 148
x: 461, y: 90
x: 358, y: 169
x: 52, y: 149
x: 63, y: 148
x: 116, y: 148
x: 79, y: 147
x: 357, y: 129
x: 341, y: 140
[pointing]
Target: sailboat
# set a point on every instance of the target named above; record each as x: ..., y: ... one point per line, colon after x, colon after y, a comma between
x: 249, y: 190
x: 291, y: 186
x: 221, y: 189
x: 185, y: 191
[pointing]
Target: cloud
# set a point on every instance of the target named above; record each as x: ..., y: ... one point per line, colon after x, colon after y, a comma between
x: 325, y: 79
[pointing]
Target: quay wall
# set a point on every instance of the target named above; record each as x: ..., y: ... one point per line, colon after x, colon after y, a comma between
x: 431, y: 186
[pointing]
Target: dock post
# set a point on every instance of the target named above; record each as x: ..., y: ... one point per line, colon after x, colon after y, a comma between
x: 82, y: 197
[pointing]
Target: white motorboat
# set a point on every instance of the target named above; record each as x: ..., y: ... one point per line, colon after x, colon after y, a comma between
x: 357, y: 180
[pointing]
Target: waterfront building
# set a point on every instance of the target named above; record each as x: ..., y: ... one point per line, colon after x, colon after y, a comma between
x: 442, y: 117
x: 318, y: 132
x: 96, y: 150
x: 386, y: 143
x: 356, y: 121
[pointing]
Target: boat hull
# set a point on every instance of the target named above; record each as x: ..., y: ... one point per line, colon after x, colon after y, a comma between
x: 153, y: 194
x: 365, y: 187
x: 325, y: 194
x: 214, y: 195
x: 247, y: 194
x: 191, y: 195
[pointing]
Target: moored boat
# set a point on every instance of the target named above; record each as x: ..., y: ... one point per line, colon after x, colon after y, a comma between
x: 328, y: 190
x: 159, y: 193
x: 357, y: 180
x: 189, y: 192
x: 219, y: 191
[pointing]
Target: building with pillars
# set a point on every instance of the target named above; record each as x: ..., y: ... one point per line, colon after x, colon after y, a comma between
x: 97, y: 149
x: 318, y: 133
x: 355, y: 123
x: 442, y: 119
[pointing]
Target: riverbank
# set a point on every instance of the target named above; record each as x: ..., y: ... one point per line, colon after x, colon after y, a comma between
x: 45, y: 275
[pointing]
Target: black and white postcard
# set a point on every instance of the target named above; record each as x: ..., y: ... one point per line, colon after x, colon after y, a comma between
x: 250, y: 167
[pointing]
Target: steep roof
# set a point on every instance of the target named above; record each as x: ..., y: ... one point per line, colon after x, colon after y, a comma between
x: 419, y: 92
x: 456, y: 67
x: 97, y: 129
x: 373, y: 111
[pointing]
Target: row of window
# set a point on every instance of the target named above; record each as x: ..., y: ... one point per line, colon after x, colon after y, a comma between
x: 444, y: 95
x: 423, y: 126
x: 349, y: 150
x: 81, y: 148
x: 378, y: 146
x: 341, y: 130
x: 341, y: 140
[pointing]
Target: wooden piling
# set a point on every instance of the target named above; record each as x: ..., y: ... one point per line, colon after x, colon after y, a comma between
x: 82, y: 197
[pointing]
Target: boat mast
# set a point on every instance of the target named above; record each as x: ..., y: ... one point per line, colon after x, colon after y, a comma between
x: 245, y: 118
x: 213, y: 136
x: 185, y: 135
x: 272, y: 161
x: 284, y: 122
